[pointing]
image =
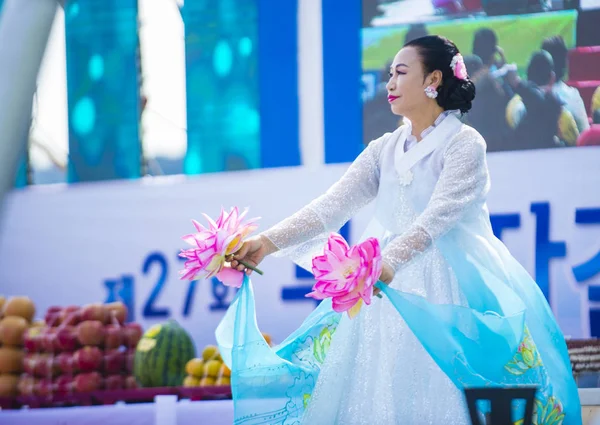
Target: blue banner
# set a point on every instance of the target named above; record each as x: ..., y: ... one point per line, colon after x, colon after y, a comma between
x: 103, y: 89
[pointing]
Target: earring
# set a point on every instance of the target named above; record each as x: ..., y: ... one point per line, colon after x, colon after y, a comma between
x: 431, y: 92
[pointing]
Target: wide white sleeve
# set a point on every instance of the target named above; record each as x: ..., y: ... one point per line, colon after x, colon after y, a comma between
x: 464, y: 180
x: 330, y: 211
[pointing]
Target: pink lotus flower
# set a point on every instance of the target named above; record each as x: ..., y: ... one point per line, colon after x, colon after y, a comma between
x: 213, y: 245
x: 230, y: 277
x: 347, y: 274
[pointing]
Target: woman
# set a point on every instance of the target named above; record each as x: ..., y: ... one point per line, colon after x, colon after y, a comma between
x: 469, y: 314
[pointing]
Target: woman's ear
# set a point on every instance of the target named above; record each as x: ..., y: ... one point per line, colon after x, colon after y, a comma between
x: 435, y: 78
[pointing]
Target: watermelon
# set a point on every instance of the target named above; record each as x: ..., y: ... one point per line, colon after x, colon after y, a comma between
x: 161, y: 355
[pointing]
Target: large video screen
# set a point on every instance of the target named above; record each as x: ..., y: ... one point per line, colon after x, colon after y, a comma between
x: 496, y: 37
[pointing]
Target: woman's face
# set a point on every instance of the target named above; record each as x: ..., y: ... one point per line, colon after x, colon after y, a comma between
x: 406, y: 87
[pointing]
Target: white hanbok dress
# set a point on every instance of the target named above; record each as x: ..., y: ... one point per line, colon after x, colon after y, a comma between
x: 455, y: 315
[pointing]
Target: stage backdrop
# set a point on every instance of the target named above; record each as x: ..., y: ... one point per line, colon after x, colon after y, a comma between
x: 101, y: 242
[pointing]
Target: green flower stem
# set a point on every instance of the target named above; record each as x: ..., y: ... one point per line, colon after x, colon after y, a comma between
x: 248, y: 266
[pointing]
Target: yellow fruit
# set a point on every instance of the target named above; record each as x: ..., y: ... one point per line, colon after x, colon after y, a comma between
x: 191, y: 381
x: 195, y: 367
x: 211, y: 368
x: 38, y: 324
x: 207, y: 382
x: 223, y: 381
x: 224, y: 372
x: 12, y: 329
x: 9, y: 385
x: 20, y: 306
x: 210, y: 352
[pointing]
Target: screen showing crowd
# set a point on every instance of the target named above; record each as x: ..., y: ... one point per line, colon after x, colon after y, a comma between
x: 554, y: 103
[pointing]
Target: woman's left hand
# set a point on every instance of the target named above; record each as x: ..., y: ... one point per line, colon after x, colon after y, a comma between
x: 387, y: 274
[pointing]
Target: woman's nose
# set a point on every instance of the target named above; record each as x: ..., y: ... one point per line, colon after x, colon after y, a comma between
x: 390, y: 86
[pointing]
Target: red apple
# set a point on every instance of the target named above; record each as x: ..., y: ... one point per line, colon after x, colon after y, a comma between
x: 48, y: 339
x: 63, y: 385
x: 114, y: 361
x: 85, y: 382
x: 90, y: 332
x: 52, y: 317
x: 26, y: 385
x: 129, y: 359
x: 88, y: 359
x: 70, y: 315
x: 66, y: 364
x: 113, y: 336
x: 32, y: 339
x: 66, y: 338
x: 114, y: 382
x: 95, y: 312
x: 45, y: 367
x: 118, y: 310
x: 43, y: 388
x: 29, y: 362
x: 53, y: 309
x: 130, y: 382
x: 133, y: 334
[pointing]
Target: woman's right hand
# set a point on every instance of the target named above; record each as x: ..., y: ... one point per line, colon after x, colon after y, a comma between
x: 252, y: 253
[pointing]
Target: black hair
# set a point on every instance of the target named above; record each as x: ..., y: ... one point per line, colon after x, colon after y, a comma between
x: 540, y: 68
x: 436, y: 53
x: 484, y: 45
x: 558, y: 50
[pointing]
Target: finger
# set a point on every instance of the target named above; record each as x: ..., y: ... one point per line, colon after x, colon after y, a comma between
x: 234, y: 263
x: 242, y: 252
x: 377, y: 292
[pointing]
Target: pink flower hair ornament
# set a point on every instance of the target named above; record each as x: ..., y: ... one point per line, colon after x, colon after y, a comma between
x: 458, y: 67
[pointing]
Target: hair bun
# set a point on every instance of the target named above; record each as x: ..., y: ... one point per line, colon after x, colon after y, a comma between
x: 456, y: 94
x: 437, y: 53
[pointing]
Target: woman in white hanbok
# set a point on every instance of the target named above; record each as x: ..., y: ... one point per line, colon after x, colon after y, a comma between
x: 458, y: 311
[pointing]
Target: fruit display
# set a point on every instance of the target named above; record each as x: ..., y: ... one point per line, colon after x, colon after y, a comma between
x: 207, y: 371
x: 162, y: 354
x: 86, y: 355
x: 79, y: 349
x: 16, y: 315
x: 210, y: 370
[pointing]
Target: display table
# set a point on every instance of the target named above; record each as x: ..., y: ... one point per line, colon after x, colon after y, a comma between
x: 208, y: 412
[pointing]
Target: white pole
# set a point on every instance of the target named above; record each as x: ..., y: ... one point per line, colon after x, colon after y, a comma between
x: 24, y: 30
x: 310, y: 83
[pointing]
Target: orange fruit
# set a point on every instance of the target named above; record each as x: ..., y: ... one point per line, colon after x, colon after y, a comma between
x: 224, y: 372
x: 211, y: 368
x: 195, y: 367
x: 191, y: 381
x: 209, y: 352
x: 267, y: 338
x: 207, y: 382
x: 222, y: 381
